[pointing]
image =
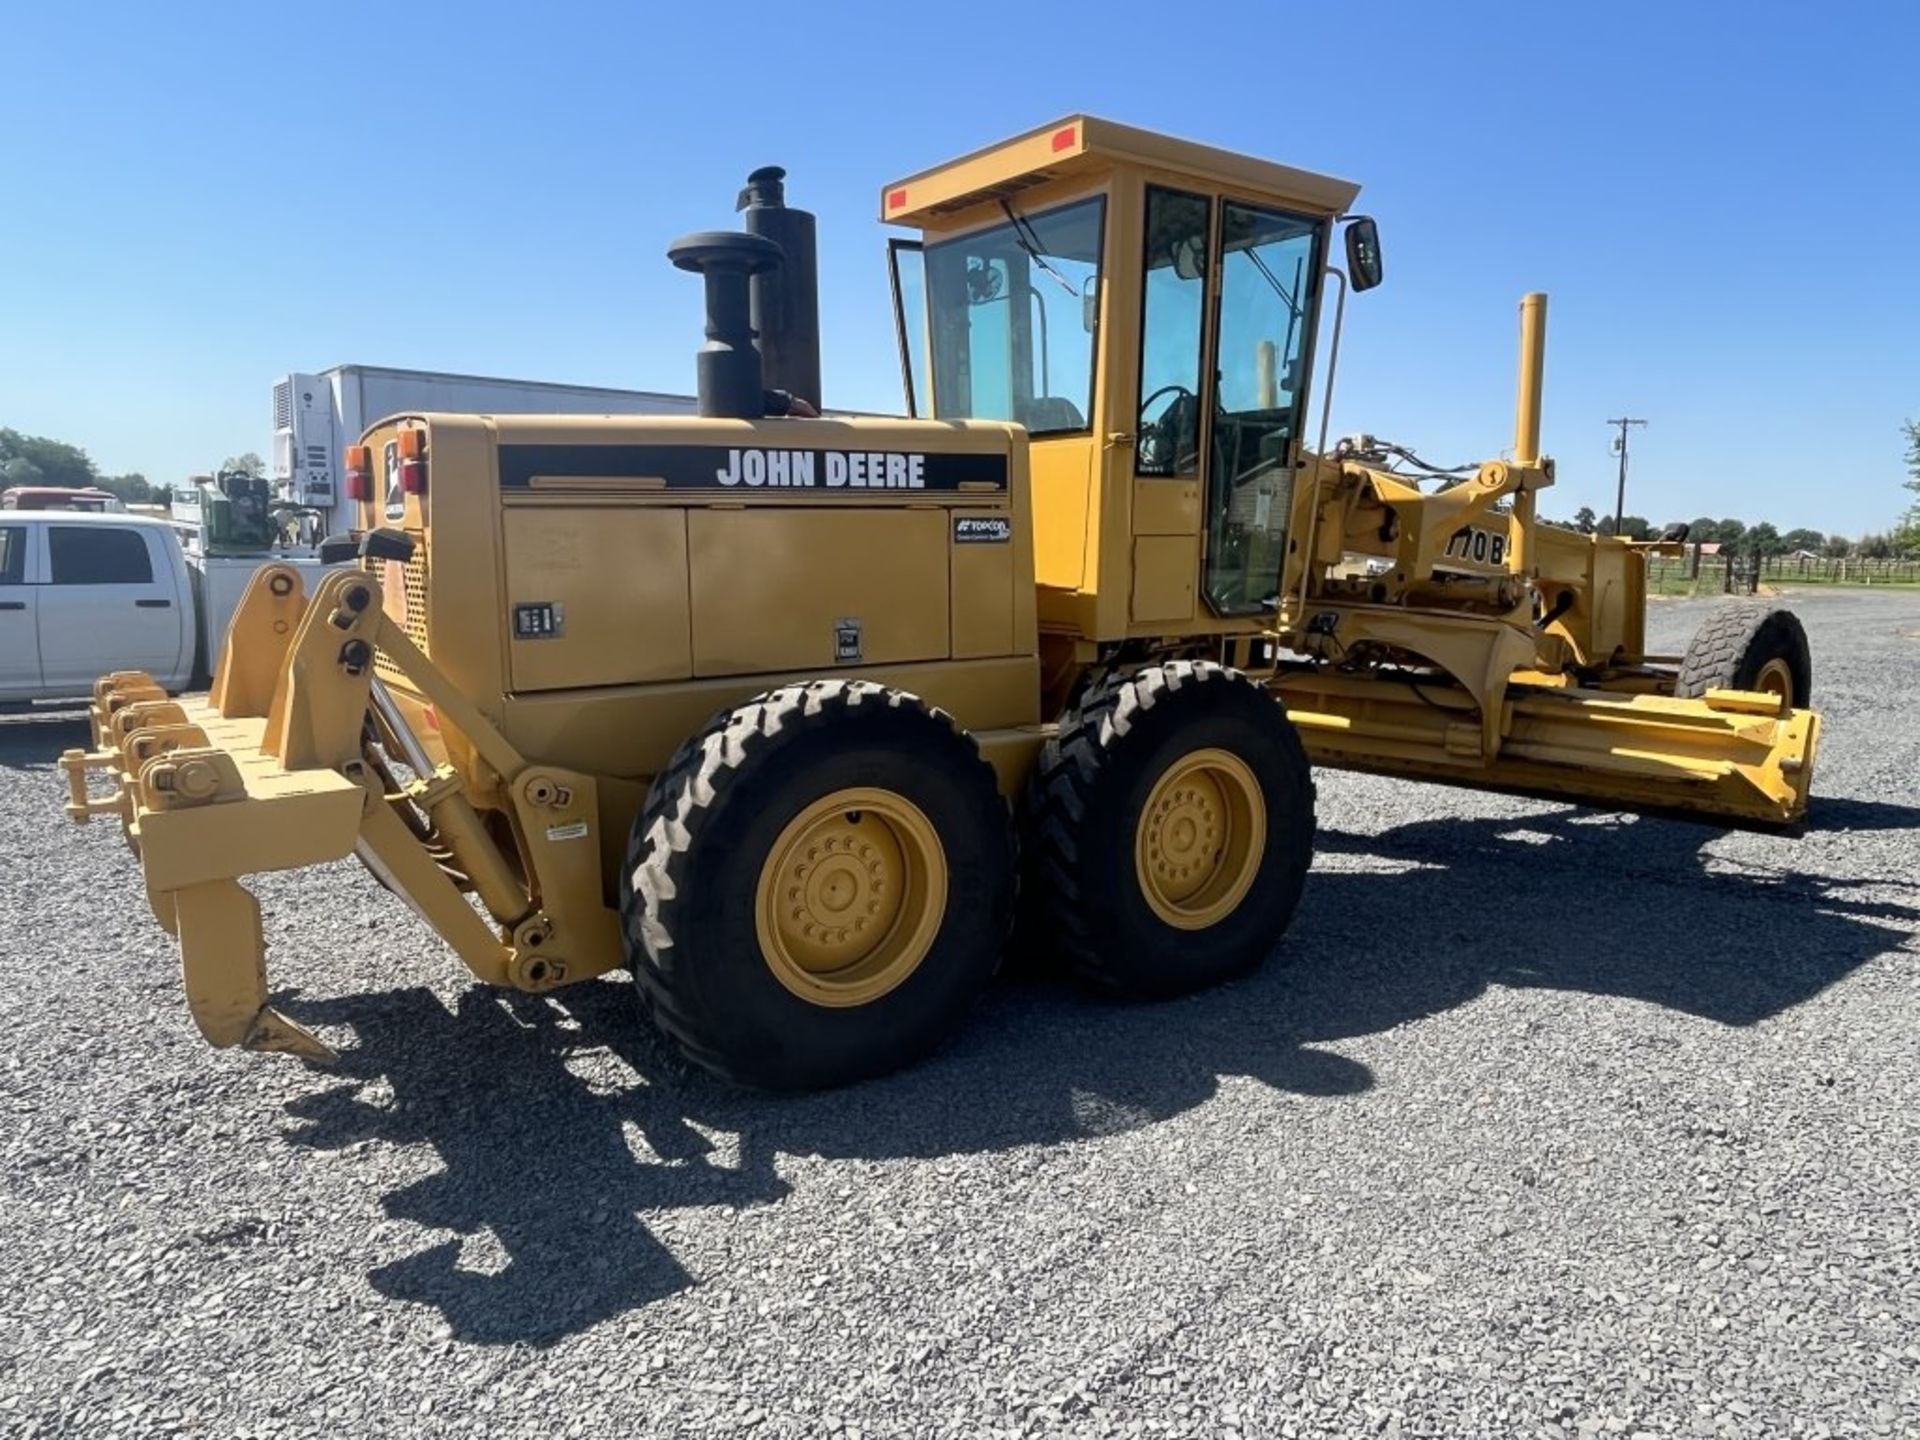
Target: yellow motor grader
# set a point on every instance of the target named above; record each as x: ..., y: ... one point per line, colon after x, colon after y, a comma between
x: 770, y: 708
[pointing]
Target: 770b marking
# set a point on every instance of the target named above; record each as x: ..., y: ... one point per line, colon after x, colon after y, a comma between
x: 1488, y: 547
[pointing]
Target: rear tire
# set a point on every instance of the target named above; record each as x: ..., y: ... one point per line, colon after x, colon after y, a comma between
x: 1748, y: 646
x: 818, y: 886
x: 1169, y: 829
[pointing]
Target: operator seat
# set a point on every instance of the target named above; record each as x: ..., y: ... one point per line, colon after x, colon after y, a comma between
x: 1047, y: 413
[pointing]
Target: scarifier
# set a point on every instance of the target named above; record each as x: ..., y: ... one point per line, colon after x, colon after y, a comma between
x: 764, y: 705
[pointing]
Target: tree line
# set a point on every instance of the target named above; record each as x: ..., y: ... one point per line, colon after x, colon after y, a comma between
x: 1765, y: 540
x: 37, y: 460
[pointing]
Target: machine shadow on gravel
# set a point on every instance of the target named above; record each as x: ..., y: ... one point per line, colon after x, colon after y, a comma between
x: 32, y: 739
x: 531, y: 1153
x: 1605, y: 904
x: 559, y: 1119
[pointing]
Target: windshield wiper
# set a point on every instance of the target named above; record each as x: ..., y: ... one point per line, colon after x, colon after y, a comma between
x: 1286, y: 296
x: 1029, y: 242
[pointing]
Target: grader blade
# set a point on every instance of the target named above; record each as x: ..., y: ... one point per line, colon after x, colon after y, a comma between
x: 1731, y: 756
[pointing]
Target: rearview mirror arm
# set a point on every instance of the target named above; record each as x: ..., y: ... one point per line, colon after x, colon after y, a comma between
x: 1326, y: 417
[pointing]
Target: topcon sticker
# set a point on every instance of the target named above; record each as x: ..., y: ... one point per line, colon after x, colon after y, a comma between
x: 982, y: 529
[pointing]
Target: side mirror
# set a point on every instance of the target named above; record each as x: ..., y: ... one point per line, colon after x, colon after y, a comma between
x: 1364, y: 265
x: 1189, y: 258
x: 1090, y: 305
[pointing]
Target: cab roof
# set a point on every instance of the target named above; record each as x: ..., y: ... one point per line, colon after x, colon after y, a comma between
x: 1080, y: 144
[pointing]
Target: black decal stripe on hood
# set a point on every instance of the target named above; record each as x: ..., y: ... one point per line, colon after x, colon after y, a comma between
x: 697, y: 467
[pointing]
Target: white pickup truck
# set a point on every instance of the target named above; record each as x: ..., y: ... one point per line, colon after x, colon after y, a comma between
x: 84, y: 594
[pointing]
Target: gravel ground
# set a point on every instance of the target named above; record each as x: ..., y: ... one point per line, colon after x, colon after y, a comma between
x: 1554, y: 1123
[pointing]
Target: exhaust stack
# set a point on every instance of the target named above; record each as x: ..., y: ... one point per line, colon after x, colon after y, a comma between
x: 786, y: 301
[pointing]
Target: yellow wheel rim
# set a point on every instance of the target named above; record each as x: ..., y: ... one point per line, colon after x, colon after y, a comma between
x: 851, y: 896
x: 1200, y: 840
x: 1776, y: 678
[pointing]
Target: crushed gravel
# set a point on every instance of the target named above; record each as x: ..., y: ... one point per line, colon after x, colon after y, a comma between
x: 1552, y: 1123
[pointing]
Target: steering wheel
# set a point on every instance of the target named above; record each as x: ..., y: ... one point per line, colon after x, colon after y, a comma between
x: 1147, y: 404
x: 1159, y: 445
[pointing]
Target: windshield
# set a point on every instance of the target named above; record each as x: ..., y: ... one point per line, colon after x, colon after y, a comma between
x: 1013, y: 313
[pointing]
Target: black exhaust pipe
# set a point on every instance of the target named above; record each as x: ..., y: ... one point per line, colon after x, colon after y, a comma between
x: 728, y: 365
x: 786, y: 300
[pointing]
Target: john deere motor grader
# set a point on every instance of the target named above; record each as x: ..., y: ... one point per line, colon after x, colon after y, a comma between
x: 765, y: 706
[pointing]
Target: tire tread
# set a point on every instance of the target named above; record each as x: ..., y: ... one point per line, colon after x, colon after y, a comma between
x: 703, y: 769
x: 1721, y: 648
x: 1080, y: 758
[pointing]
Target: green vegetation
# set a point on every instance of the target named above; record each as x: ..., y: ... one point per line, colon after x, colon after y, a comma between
x: 1763, y: 539
x: 37, y: 460
x: 1668, y: 575
x: 1906, y: 535
x: 1763, y: 542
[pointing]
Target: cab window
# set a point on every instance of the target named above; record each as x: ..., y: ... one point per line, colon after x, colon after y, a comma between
x: 907, y: 265
x: 1013, y: 318
x: 13, y: 554
x: 1173, y: 307
x: 98, y: 555
x: 1268, y: 272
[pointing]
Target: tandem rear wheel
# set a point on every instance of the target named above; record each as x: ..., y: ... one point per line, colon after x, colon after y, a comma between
x: 1168, y: 830
x: 818, y: 886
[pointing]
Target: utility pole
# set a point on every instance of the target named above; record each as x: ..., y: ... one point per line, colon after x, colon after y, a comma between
x: 1620, y: 449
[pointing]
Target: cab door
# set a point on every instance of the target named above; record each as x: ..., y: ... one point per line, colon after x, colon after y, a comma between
x: 19, y: 640
x: 1165, y: 464
x: 108, y: 604
x: 1266, y: 314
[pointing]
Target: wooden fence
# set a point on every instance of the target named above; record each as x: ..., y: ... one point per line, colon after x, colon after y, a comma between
x: 1737, y: 575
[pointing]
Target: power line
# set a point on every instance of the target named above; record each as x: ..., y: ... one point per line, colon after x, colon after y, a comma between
x: 1620, y: 449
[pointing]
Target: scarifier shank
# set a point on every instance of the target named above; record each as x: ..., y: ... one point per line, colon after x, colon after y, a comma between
x: 283, y: 780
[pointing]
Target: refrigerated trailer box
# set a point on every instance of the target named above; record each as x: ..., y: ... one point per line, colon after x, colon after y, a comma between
x: 316, y: 415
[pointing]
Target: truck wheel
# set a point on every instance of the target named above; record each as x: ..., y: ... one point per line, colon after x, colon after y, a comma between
x: 1169, y: 827
x: 820, y: 883
x: 1749, y: 647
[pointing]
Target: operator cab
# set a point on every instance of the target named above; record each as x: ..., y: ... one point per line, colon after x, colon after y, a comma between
x: 1147, y: 308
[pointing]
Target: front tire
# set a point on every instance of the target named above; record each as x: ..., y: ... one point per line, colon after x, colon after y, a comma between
x: 819, y: 886
x: 1169, y: 829
x: 1747, y: 646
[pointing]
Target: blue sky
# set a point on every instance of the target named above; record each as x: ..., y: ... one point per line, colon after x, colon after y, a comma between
x: 1721, y: 198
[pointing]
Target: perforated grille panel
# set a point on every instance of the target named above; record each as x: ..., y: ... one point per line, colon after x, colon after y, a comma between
x: 414, y: 580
